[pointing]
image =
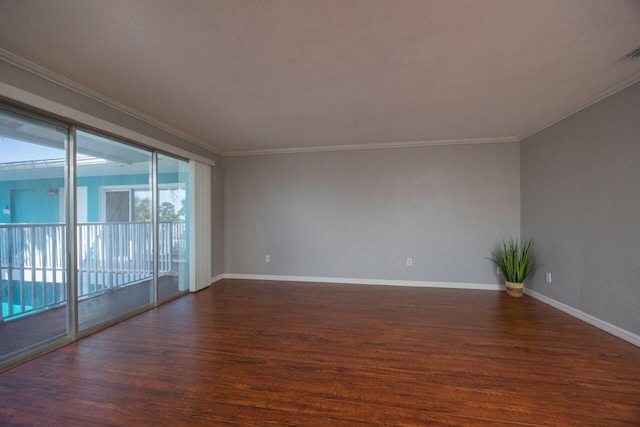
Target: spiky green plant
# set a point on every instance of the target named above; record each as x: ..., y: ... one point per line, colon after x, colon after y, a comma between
x: 514, y: 261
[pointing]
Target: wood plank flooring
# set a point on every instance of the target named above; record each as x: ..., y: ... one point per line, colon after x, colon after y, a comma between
x: 20, y: 333
x: 268, y: 353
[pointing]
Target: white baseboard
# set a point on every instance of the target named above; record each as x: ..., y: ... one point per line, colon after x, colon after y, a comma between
x: 594, y: 321
x: 352, y: 281
x: 217, y: 278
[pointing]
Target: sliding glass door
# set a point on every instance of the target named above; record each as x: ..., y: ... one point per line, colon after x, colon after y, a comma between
x: 115, y: 243
x: 123, y: 249
x: 33, y: 269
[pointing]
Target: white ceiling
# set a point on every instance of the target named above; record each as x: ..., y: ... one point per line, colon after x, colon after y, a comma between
x: 244, y: 76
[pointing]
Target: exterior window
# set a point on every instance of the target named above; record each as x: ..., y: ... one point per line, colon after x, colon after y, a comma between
x: 125, y: 204
x: 118, y: 206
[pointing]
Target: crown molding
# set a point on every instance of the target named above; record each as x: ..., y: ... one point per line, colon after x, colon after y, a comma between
x: 350, y: 147
x: 605, y: 93
x: 55, y: 78
x: 71, y: 115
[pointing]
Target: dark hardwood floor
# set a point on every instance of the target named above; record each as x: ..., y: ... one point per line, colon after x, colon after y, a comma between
x: 23, y: 332
x: 267, y: 353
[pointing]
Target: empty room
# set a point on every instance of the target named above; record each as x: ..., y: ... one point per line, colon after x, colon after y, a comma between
x: 320, y: 212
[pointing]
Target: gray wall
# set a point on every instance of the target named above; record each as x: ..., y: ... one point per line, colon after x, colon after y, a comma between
x: 360, y: 214
x: 581, y: 205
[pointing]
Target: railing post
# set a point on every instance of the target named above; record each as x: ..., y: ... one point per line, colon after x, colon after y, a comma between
x: 22, y: 268
x: 32, y: 255
x: 171, y: 226
x: 10, y: 295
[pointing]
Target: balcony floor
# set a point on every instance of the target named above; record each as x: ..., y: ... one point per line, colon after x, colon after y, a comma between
x: 20, y: 333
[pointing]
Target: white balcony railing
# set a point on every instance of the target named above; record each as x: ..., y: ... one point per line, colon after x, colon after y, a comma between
x: 33, y: 273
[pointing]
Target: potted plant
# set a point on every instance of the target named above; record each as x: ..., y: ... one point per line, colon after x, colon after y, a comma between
x: 515, y: 263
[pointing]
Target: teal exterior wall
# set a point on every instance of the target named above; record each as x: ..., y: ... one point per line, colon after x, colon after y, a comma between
x: 29, y: 201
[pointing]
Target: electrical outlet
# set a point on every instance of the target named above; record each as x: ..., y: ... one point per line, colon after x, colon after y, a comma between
x: 267, y: 258
x: 548, y: 277
x: 409, y: 262
x: 498, y: 272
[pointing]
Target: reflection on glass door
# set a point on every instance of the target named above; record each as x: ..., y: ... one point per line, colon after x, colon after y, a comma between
x: 117, y: 206
x: 33, y: 279
x: 173, y: 214
x: 115, y: 244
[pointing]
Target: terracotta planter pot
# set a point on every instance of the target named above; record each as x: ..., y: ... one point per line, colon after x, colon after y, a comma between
x: 514, y: 289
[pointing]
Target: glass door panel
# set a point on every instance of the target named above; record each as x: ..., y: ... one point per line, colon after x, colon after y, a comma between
x: 33, y: 279
x: 115, y: 244
x: 173, y: 232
